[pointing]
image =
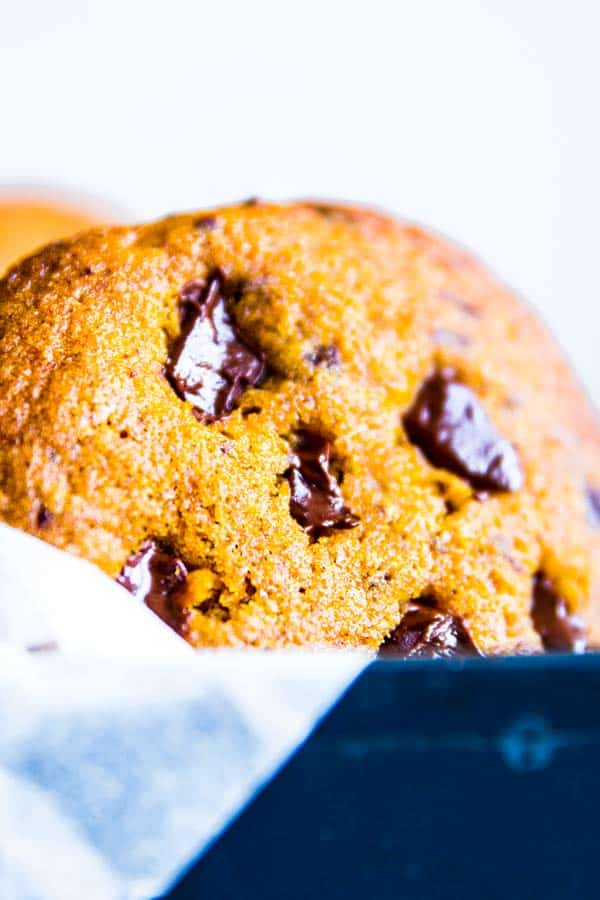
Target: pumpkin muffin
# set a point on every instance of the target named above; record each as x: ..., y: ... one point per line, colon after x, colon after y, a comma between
x: 302, y: 424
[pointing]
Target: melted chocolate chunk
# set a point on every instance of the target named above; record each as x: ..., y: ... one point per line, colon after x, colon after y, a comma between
x: 450, y: 426
x: 328, y: 356
x: 211, y: 365
x: 316, y: 501
x: 558, y: 629
x: 156, y: 576
x: 593, y: 496
x: 426, y: 633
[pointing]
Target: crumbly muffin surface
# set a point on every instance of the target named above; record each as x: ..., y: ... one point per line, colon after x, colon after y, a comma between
x: 296, y: 424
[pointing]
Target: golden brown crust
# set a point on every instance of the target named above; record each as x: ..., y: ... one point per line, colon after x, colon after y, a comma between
x: 98, y: 454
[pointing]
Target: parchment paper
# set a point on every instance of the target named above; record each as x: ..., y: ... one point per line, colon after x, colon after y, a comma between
x: 125, y: 752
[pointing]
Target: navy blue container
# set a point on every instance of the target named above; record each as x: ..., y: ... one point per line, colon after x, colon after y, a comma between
x: 429, y: 781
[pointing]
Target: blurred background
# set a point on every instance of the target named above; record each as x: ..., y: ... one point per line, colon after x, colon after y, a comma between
x: 476, y: 118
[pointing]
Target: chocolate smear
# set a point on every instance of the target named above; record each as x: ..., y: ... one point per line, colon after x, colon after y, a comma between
x: 427, y: 633
x: 316, y: 501
x: 450, y: 426
x: 211, y: 365
x: 558, y: 629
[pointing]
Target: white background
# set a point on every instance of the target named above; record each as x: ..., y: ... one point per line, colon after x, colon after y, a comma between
x: 477, y: 118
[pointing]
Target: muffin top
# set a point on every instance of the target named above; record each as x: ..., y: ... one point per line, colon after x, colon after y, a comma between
x: 302, y: 424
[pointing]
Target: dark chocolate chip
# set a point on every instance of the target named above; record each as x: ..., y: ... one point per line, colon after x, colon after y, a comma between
x: 44, y: 517
x: 251, y: 201
x: 325, y: 355
x: 593, y: 496
x: 155, y: 576
x: 211, y: 365
x: 448, y: 423
x: 316, y: 501
x: 425, y: 632
x: 558, y: 629
x: 206, y: 223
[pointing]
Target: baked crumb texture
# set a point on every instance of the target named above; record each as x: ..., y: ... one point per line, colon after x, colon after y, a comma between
x: 302, y: 424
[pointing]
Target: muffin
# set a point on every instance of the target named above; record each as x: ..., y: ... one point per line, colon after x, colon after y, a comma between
x: 303, y: 424
x: 27, y: 223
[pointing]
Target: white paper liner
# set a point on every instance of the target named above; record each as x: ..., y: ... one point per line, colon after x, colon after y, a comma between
x: 126, y: 753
